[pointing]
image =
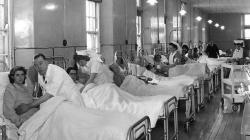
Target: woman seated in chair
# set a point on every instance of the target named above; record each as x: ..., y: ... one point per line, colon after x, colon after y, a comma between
x: 16, y: 94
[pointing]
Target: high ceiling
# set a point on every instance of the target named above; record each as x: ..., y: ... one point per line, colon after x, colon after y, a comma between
x: 223, y: 6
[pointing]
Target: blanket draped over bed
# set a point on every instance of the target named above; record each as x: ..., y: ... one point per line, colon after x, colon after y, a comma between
x: 110, y: 97
x: 192, y: 69
x: 138, y: 87
x: 62, y: 120
x: 160, y: 80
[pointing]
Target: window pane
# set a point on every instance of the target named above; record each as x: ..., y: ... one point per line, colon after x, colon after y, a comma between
x: 92, y: 19
x: 1, y: 17
x: 247, y: 33
x: 138, y: 3
x: 247, y: 19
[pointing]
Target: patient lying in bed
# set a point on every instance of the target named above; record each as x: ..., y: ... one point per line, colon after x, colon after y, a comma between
x: 17, y: 93
x: 112, y: 98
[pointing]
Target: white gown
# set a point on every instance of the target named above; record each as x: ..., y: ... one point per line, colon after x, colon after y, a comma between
x: 104, y: 75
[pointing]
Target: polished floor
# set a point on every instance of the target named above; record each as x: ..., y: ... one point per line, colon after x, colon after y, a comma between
x: 211, y: 124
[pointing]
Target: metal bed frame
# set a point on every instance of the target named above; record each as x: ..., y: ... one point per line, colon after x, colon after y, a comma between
x: 189, y: 107
x: 199, y: 90
x: 140, y: 130
x: 170, y: 106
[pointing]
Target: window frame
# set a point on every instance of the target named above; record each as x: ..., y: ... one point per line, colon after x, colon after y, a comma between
x: 245, y: 27
x: 96, y: 31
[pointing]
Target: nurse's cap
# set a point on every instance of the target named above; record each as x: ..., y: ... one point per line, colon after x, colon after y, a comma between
x: 239, y: 42
x: 173, y: 43
x: 82, y: 52
x: 81, y: 57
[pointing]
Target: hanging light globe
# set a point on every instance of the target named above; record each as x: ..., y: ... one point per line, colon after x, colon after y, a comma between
x: 198, y: 18
x: 210, y: 21
x: 222, y: 27
x: 216, y: 25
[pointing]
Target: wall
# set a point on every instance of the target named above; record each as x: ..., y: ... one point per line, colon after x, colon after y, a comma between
x: 189, y: 29
x: 106, y: 32
x: 48, y: 28
x: 23, y: 30
x: 118, y: 24
x: 224, y: 39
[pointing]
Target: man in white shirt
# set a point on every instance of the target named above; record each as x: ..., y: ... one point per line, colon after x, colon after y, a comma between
x: 54, y: 81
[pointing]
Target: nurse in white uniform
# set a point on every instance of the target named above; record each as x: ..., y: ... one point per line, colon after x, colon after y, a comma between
x: 238, y: 52
x: 98, y: 71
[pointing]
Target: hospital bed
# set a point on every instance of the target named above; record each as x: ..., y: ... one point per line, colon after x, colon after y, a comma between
x: 188, y: 97
x: 169, y: 106
x: 141, y: 129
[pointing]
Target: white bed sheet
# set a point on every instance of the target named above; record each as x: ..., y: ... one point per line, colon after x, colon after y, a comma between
x: 181, y: 79
x: 212, y: 63
x: 112, y: 98
x: 138, y: 87
x: 61, y: 120
x: 192, y: 69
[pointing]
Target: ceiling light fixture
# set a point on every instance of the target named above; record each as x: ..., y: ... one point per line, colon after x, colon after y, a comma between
x: 183, y: 12
x: 210, y: 21
x: 222, y: 27
x: 50, y: 6
x: 216, y: 25
x: 198, y: 18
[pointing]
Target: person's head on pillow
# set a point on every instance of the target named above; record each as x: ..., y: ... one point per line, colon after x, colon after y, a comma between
x: 17, y: 75
x: 157, y: 58
x: 72, y: 71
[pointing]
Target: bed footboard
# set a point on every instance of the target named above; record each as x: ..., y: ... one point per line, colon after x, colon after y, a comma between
x: 140, y: 130
x: 170, y: 106
x: 198, y: 87
x: 189, y: 107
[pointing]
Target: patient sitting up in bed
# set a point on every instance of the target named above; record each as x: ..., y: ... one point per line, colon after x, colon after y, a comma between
x: 73, y: 74
x: 17, y: 93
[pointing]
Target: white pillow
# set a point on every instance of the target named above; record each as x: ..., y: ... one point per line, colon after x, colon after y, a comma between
x: 4, y: 81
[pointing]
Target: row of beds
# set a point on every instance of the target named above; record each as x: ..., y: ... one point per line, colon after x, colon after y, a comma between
x: 193, y: 99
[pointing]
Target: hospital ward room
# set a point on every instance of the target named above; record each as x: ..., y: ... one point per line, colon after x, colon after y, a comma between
x: 125, y: 70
